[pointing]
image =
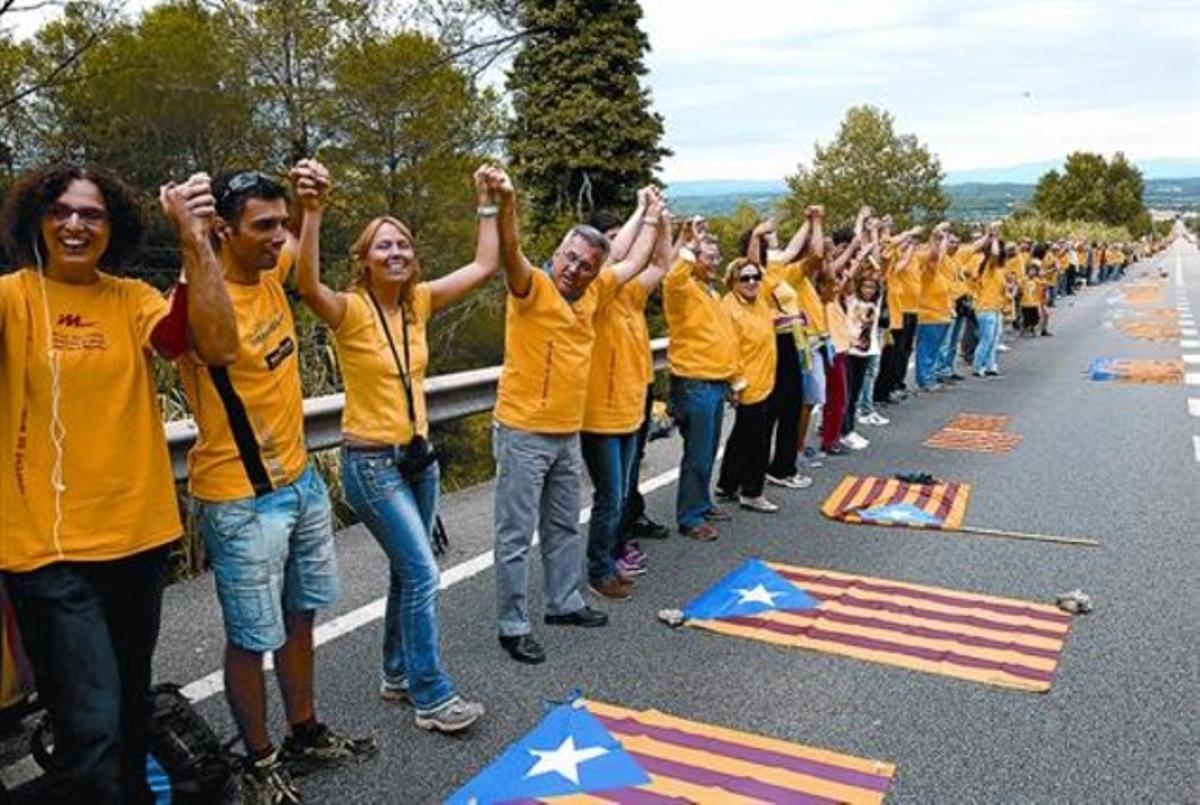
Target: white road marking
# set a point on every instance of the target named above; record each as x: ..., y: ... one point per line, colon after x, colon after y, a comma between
x: 1187, y: 343
x: 1192, y: 378
x: 1192, y: 359
x: 1194, y: 406
x: 1196, y: 447
x: 1189, y: 331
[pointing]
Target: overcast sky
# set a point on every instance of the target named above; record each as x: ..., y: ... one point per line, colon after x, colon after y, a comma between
x: 748, y: 86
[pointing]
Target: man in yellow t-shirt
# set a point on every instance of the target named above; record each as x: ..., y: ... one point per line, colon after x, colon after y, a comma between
x: 615, y: 406
x: 263, y: 511
x: 548, y: 340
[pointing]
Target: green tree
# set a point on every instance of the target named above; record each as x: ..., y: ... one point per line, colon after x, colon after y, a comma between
x: 1092, y: 189
x: 869, y: 163
x: 583, y: 135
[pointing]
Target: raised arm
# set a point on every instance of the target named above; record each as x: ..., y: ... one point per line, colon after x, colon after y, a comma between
x: 754, y: 247
x: 643, y: 247
x: 445, y: 291
x: 518, y: 272
x: 311, y: 182
x: 212, y: 326
x: 799, y: 240
x: 661, y: 261
x: 816, y: 238
x: 619, y: 248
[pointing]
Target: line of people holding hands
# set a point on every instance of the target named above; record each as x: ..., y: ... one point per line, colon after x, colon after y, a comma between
x: 824, y: 322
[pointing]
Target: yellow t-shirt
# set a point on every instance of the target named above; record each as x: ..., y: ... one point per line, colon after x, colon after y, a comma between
x: 798, y: 275
x: 839, y: 326
x: 936, y: 302
x: 250, y: 413
x: 120, y: 493
x: 703, y: 344
x: 547, y: 355
x: 755, y: 326
x: 376, y: 407
x: 616, y: 395
x: 904, y: 287
x: 992, y: 288
x: 1031, y: 292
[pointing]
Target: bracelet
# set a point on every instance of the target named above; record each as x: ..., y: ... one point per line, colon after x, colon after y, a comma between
x: 487, y: 211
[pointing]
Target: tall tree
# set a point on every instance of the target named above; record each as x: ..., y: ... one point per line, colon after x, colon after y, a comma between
x: 1091, y: 188
x: 583, y: 135
x: 869, y: 163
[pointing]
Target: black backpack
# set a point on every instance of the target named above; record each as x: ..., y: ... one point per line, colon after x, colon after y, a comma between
x: 187, y: 763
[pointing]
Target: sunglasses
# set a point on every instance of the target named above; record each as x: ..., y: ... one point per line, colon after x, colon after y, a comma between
x: 756, y: 277
x: 240, y: 183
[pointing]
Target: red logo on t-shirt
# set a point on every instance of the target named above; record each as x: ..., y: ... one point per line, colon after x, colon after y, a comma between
x: 73, y: 320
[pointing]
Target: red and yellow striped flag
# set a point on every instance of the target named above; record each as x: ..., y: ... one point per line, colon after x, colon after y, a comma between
x: 995, y: 423
x: 974, y: 441
x: 982, y: 638
x: 887, y: 501
x: 689, y: 761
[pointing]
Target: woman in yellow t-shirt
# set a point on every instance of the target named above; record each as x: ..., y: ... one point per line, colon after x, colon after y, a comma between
x: 87, y: 496
x: 389, y: 471
x: 991, y: 299
x: 748, y: 451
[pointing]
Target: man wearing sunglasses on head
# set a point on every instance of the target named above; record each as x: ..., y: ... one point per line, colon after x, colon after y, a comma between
x: 262, y: 510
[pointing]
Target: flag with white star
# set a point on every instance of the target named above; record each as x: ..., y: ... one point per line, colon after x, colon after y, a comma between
x: 569, y: 752
x: 752, y: 588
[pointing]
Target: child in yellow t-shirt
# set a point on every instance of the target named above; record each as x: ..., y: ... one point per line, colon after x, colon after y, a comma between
x: 1030, y: 287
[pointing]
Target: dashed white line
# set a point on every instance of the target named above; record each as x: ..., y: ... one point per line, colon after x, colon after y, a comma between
x: 1191, y: 359
x: 1189, y: 344
x: 1194, y: 406
x: 1189, y: 331
x: 1196, y: 447
x: 1192, y: 378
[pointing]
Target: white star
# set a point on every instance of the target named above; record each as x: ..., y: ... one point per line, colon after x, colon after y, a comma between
x: 757, y: 595
x: 564, y: 760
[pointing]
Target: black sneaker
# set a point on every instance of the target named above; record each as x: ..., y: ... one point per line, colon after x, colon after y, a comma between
x: 580, y: 617
x: 645, y: 528
x: 323, y: 747
x: 266, y: 782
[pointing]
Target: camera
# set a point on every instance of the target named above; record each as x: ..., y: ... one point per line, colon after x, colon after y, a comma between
x: 417, y: 458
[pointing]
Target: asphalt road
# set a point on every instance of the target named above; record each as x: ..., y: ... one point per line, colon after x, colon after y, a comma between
x: 1109, y: 461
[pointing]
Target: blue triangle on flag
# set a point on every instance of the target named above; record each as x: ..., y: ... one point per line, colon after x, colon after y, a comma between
x: 899, y: 514
x: 568, y: 752
x: 1102, y: 369
x: 749, y: 590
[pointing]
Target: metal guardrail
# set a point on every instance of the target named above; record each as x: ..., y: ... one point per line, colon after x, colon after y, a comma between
x: 448, y: 397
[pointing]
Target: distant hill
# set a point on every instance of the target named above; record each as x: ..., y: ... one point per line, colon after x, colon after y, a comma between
x: 1030, y: 172
x: 971, y: 201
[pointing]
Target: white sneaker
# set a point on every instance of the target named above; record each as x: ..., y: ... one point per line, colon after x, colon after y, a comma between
x: 855, y: 442
x: 878, y: 419
x: 1002, y: 347
x: 796, y: 481
x: 758, y: 504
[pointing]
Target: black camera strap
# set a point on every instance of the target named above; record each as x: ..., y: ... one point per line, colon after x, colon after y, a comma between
x: 441, y: 540
x: 401, y: 368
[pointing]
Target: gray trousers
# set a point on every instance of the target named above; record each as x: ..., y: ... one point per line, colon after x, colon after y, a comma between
x: 539, y: 479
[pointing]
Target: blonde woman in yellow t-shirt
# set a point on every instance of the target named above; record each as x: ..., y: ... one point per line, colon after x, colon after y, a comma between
x: 389, y: 471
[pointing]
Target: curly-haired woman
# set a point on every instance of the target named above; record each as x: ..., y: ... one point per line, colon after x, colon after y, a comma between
x: 87, y: 497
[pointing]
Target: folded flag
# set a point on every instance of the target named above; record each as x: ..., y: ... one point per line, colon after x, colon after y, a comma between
x: 891, y: 502
x: 995, y: 423
x: 682, y: 761
x: 981, y: 638
x: 749, y: 590
x: 1126, y: 370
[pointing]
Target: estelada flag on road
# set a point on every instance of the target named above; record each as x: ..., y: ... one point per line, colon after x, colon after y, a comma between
x: 891, y: 502
x: 590, y: 752
x: 1128, y: 370
x: 981, y: 638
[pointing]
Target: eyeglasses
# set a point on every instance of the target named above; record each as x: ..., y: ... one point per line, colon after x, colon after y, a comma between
x: 91, y: 217
x: 750, y: 278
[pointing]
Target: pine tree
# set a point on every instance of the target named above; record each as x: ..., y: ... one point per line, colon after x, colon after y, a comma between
x: 583, y: 136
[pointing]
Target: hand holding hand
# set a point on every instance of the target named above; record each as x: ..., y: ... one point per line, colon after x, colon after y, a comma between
x: 190, y: 206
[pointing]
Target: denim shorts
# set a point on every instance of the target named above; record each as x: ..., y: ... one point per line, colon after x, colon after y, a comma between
x: 271, y: 555
x: 813, y: 380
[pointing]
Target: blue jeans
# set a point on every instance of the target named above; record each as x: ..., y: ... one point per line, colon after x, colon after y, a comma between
x: 400, y: 514
x: 90, y: 629
x: 609, y: 461
x: 948, y: 350
x: 699, y: 408
x: 989, y: 338
x: 270, y: 555
x: 929, y: 343
x: 866, y: 397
